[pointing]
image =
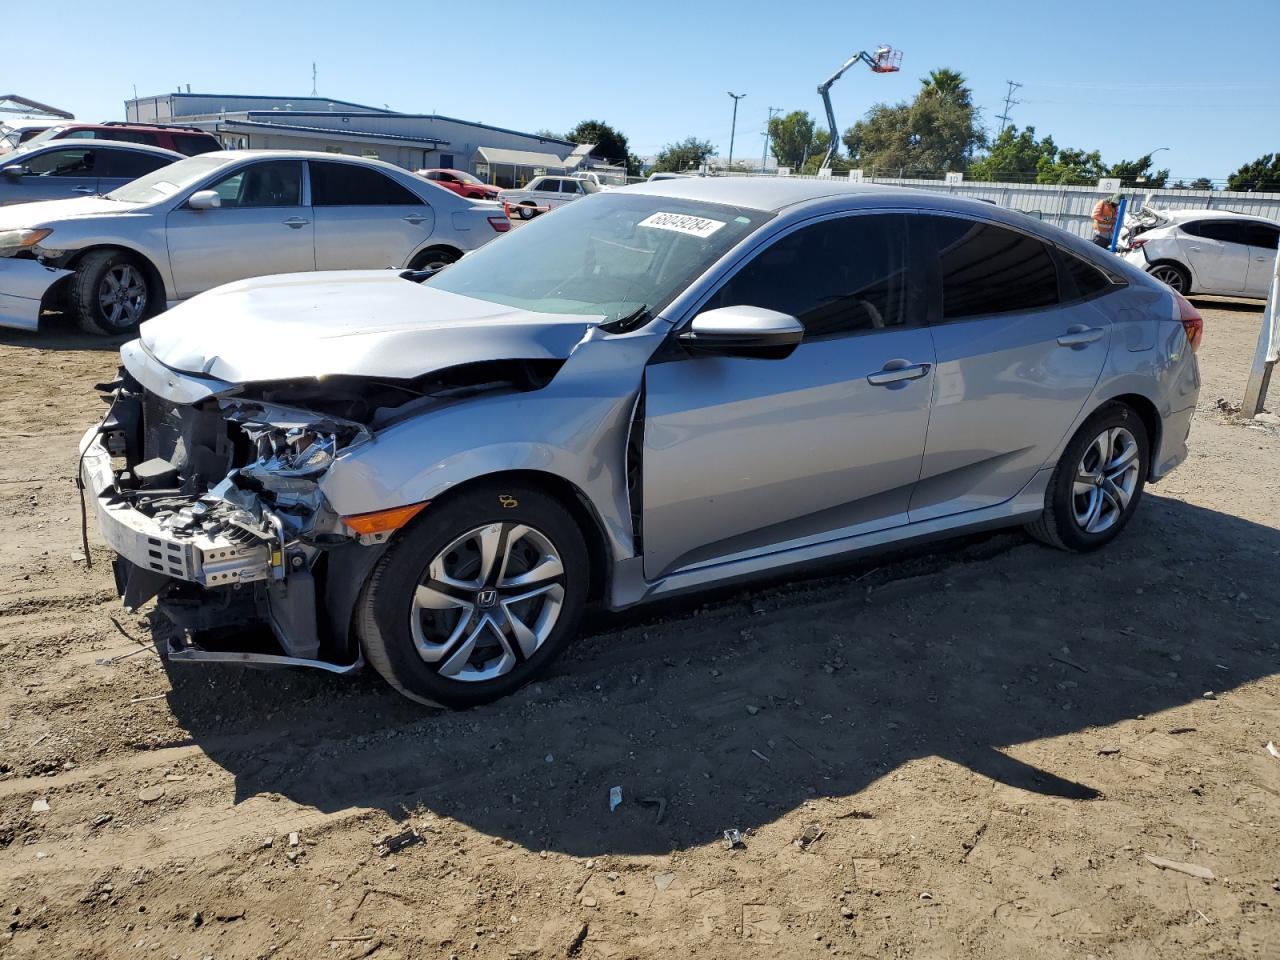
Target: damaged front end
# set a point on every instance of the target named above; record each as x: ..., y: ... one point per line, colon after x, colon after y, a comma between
x: 210, y: 493
x: 213, y: 508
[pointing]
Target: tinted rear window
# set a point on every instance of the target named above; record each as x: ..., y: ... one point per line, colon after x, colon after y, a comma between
x: 348, y: 185
x: 1081, y: 278
x: 988, y: 269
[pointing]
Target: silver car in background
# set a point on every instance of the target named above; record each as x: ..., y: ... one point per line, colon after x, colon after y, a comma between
x: 207, y: 220
x: 661, y: 388
x: 66, y: 169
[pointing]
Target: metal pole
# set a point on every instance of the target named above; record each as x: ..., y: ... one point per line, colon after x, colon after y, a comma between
x: 764, y: 156
x: 1267, y: 351
x: 734, y: 129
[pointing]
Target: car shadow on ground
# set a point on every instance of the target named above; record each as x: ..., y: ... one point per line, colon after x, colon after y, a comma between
x: 1224, y: 303
x: 58, y: 331
x: 737, y: 712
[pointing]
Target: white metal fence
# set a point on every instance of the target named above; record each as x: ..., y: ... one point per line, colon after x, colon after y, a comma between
x: 1072, y: 207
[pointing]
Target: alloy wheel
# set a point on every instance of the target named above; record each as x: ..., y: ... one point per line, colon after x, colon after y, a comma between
x: 1105, y: 481
x: 488, y: 601
x: 122, y: 296
x: 1170, y: 276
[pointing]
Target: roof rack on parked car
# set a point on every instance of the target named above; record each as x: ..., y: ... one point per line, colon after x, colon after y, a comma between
x: 166, y: 126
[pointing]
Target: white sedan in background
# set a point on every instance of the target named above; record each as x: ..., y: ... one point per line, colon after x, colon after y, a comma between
x: 218, y: 217
x: 1204, y: 251
x: 546, y: 192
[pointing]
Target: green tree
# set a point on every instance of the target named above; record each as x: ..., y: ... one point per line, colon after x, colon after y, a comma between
x: 1201, y: 183
x: 949, y: 85
x: 934, y: 133
x: 1069, y: 166
x: 1138, y: 173
x: 607, y: 143
x: 1015, y: 155
x: 1260, y: 176
x: 792, y: 139
x: 549, y: 135
x: 689, y: 154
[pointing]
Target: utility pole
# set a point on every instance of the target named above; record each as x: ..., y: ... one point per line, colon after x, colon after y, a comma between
x: 313, y: 78
x: 1008, y: 102
x: 734, y: 129
x: 764, y: 157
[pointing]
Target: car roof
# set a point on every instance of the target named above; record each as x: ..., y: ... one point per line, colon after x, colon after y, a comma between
x: 73, y: 142
x: 1181, y: 216
x: 764, y: 193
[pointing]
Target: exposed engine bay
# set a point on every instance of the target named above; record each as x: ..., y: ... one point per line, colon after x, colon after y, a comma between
x: 215, y: 510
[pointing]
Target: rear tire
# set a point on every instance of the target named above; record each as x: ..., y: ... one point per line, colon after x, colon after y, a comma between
x: 434, y: 259
x: 1098, y: 482
x: 110, y: 293
x: 1172, y: 275
x: 445, y: 621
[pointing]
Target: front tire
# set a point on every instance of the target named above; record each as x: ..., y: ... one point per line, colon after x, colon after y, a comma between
x: 1097, y: 484
x: 110, y: 293
x: 476, y: 597
x: 526, y: 211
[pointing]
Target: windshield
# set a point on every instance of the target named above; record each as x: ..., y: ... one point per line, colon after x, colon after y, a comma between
x: 467, y: 178
x: 167, y: 181
x: 51, y: 134
x: 609, y: 255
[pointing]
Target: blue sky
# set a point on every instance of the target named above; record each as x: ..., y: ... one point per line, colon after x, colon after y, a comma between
x: 1201, y: 78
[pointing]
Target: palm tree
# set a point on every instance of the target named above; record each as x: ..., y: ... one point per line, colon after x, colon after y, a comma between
x: 948, y: 85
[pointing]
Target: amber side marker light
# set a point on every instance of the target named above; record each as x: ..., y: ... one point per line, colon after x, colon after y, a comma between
x: 383, y: 521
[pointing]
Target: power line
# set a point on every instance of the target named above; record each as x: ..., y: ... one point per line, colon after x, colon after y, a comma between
x: 1008, y: 102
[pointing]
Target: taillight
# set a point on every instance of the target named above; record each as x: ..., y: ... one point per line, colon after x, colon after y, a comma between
x: 499, y: 224
x: 1192, y: 322
x: 1136, y: 244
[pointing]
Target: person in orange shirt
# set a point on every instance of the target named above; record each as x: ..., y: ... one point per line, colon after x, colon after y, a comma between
x: 1104, y: 219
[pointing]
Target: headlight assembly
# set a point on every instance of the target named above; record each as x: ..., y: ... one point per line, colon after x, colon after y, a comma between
x: 11, y: 241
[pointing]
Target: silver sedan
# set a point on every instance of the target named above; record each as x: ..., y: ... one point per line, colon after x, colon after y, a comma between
x: 661, y: 388
x: 208, y: 220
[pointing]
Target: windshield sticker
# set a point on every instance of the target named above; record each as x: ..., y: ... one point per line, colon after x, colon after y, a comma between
x: 683, y: 223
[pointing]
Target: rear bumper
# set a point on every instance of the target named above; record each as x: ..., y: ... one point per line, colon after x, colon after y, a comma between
x: 23, y: 285
x: 1173, y: 443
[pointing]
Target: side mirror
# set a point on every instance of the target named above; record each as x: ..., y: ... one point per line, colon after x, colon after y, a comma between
x: 204, y: 200
x: 14, y: 171
x: 743, y: 332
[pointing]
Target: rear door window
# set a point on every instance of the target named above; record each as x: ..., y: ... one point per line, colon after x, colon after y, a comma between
x: 126, y: 164
x: 349, y: 185
x: 1227, y: 231
x: 837, y: 277
x: 192, y: 145
x: 988, y: 269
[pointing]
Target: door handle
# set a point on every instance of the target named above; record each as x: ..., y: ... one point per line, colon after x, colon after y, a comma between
x: 897, y: 371
x: 296, y: 222
x: 1079, y: 336
x: 413, y: 218
x: 82, y: 189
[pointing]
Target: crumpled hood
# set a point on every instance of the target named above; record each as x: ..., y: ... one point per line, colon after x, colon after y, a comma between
x: 48, y: 211
x: 351, y: 322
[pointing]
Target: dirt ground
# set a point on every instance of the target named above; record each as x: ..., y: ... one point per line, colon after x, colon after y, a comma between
x: 966, y: 751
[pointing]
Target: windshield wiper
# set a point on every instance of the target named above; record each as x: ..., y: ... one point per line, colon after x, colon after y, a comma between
x: 626, y: 324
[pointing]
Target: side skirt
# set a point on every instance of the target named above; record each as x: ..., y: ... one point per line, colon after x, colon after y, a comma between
x: 630, y: 588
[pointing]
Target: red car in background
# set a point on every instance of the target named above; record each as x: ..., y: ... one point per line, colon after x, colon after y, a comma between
x: 188, y: 141
x: 462, y: 183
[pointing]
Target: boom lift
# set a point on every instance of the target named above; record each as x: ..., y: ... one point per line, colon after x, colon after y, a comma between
x: 885, y: 59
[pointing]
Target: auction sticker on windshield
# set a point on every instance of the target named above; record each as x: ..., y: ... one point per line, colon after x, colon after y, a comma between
x: 683, y: 223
